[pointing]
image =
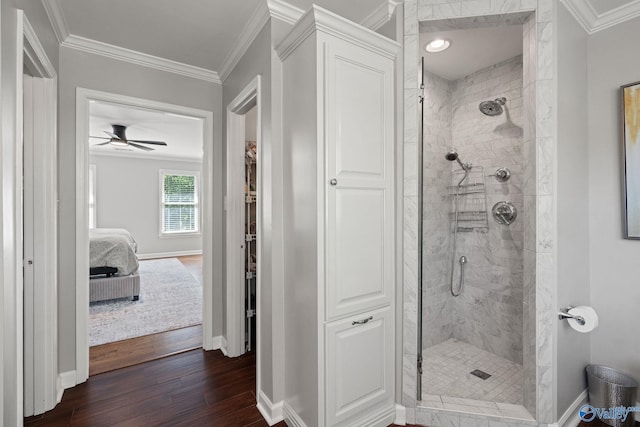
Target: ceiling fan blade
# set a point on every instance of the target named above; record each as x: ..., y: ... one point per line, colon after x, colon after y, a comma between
x: 112, y: 135
x: 142, y: 147
x: 103, y: 143
x: 98, y: 137
x: 149, y: 142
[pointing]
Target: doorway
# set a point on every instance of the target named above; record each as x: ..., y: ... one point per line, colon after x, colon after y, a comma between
x: 146, y: 184
x: 202, y: 215
x: 243, y: 219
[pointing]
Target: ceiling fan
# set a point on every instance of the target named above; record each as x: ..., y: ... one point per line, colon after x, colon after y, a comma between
x: 119, y: 139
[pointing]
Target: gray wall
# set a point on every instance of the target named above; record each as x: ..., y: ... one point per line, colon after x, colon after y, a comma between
x: 573, y: 204
x: 85, y: 70
x: 613, y: 61
x: 128, y: 196
x: 257, y: 61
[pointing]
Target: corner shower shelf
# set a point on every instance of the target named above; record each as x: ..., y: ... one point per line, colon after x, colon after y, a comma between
x: 470, y: 201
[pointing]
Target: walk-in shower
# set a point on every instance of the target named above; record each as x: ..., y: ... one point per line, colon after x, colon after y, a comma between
x: 470, y: 269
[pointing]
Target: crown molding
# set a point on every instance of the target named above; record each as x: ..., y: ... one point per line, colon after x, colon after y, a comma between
x: 592, y: 21
x: 116, y: 52
x: 380, y: 16
x: 266, y: 9
x: 53, y: 8
x: 34, y: 50
x: 319, y: 19
x: 56, y: 17
x: 248, y: 34
x: 284, y: 11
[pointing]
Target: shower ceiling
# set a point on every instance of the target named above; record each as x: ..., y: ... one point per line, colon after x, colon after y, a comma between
x: 471, y: 50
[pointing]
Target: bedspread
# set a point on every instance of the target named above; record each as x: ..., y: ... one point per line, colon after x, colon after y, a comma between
x: 113, y: 247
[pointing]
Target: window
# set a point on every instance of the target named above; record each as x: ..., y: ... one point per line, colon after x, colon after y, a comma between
x: 180, y: 207
x: 92, y: 196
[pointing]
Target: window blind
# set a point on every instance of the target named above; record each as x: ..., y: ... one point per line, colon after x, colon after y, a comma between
x: 179, y: 204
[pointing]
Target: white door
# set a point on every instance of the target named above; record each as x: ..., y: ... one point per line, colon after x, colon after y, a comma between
x: 359, y: 173
x: 30, y: 390
x: 359, y: 357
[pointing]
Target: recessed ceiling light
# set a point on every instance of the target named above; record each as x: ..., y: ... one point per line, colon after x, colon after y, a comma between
x: 437, y: 45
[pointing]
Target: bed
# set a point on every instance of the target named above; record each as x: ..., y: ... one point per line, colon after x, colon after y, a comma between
x: 113, y: 265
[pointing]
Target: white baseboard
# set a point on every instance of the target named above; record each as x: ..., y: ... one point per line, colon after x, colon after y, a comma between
x: 291, y: 417
x: 213, y: 343
x: 169, y: 254
x: 401, y: 415
x: 223, y: 346
x: 272, y: 413
x: 571, y: 417
x: 380, y: 418
x: 65, y: 380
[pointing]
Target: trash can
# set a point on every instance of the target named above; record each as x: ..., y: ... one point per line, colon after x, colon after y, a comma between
x: 609, y: 388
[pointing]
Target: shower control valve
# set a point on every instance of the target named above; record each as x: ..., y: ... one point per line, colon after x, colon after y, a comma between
x: 502, y: 174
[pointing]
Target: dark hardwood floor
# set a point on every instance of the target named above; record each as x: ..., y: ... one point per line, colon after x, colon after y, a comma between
x: 120, y: 354
x: 194, y: 388
x: 158, y: 380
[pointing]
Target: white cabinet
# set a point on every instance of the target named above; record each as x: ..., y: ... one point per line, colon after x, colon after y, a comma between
x: 357, y: 357
x: 339, y: 235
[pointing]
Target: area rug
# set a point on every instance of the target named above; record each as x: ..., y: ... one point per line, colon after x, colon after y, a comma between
x: 170, y: 298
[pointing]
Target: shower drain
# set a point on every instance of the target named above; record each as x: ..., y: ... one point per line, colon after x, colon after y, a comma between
x: 480, y: 374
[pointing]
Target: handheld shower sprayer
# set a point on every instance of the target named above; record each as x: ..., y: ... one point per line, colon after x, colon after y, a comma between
x: 453, y: 156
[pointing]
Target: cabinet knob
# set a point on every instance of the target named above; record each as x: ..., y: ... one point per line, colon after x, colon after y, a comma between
x: 362, y: 322
x: 333, y: 182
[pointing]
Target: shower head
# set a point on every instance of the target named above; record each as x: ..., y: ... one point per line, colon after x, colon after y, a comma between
x: 452, y: 156
x: 492, y: 108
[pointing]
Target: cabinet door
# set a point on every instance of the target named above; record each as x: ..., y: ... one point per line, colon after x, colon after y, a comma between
x: 360, y: 157
x: 359, y: 366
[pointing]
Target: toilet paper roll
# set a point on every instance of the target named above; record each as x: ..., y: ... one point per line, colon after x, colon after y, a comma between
x: 588, y: 314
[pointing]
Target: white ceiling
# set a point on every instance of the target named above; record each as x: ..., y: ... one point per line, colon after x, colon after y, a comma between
x: 471, y: 50
x: 604, y: 6
x: 200, y: 33
x: 183, y: 135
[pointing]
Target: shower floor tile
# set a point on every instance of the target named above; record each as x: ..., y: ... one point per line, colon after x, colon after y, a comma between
x: 447, y: 374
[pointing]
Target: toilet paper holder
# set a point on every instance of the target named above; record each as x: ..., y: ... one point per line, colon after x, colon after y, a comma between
x: 564, y: 314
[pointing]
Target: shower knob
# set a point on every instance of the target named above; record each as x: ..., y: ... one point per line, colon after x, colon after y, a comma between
x: 503, y: 174
x: 504, y: 213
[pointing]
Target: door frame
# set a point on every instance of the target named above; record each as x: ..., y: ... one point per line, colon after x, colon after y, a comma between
x: 42, y: 387
x: 235, y: 234
x: 83, y: 98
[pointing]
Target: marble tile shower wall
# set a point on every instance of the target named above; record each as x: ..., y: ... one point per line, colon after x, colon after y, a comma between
x: 488, y: 313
